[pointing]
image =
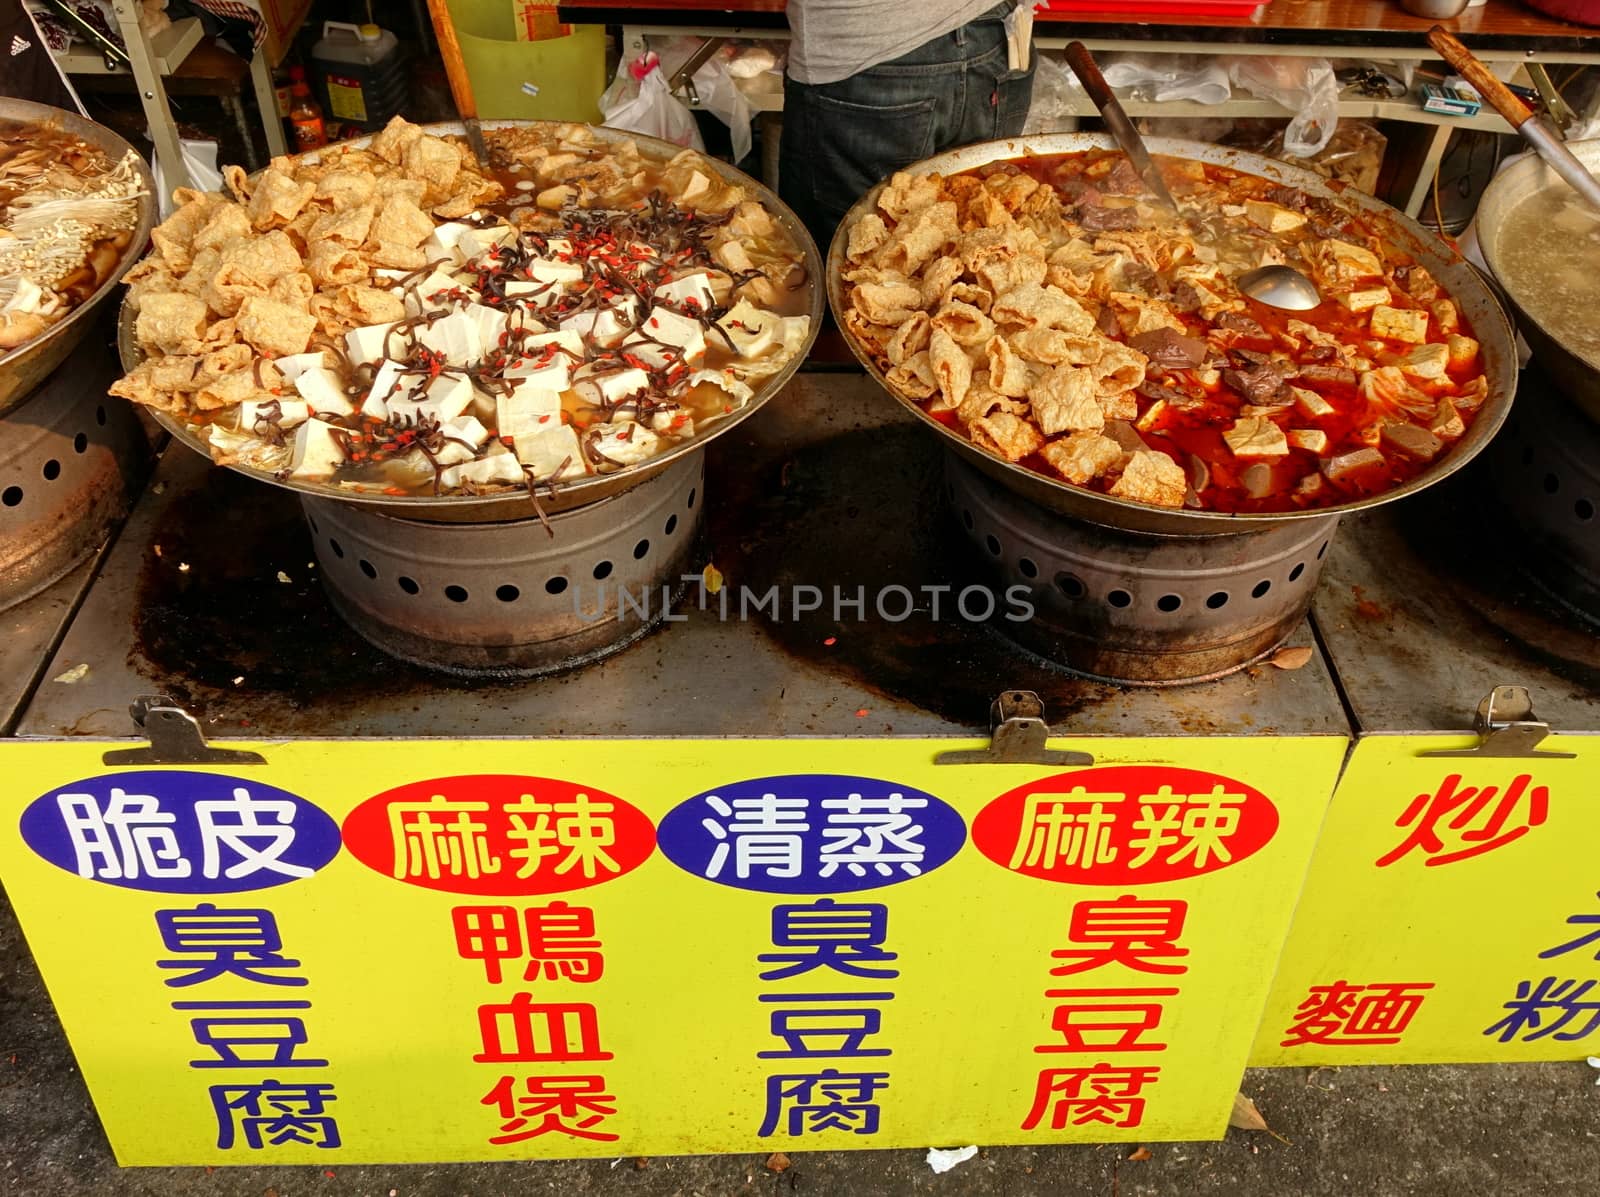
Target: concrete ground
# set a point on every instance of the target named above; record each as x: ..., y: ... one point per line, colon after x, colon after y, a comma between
x: 1528, y: 1130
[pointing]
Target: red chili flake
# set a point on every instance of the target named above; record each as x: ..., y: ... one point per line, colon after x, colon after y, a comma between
x: 863, y: 713
x: 394, y: 490
x: 544, y: 419
x: 831, y: 641
x: 277, y: 390
x: 654, y: 323
x: 726, y: 410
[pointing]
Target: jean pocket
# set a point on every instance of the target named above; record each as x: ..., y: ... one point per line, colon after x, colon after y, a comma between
x: 852, y: 146
x: 1013, y: 95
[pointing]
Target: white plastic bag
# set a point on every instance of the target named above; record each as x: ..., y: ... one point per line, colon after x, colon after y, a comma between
x: 1305, y: 86
x: 639, y: 101
x: 720, y: 96
x: 1163, y: 77
x: 1056, y: 98
x: 200, y: 158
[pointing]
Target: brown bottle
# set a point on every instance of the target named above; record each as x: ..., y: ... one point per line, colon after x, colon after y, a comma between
x: 305, y: 115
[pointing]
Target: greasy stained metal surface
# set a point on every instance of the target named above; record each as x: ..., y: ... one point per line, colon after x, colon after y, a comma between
x: 828, y: 486
x: 1423, y: 613
x: 28, y: 632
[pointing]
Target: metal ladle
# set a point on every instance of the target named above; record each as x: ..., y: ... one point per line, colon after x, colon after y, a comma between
x: 1280, y: 287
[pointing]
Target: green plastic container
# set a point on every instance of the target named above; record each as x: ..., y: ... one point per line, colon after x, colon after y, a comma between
x: 568, y: 72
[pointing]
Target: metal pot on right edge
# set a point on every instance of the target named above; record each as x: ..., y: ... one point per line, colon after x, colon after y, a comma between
x: 1545, y: 467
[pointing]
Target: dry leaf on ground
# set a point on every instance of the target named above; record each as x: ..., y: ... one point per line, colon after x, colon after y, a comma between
x: 1291, y: 658
x: 1141, y: 1155
x: 778, y: 1162
x: 1245, y: 1116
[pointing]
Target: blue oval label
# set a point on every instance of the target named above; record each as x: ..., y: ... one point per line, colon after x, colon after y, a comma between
x: 811, y: 833
x: 180, y: 833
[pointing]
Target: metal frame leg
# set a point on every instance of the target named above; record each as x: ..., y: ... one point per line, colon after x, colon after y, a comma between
x: 152, y: 95
x: 267, y: 101
x: 1423, y: 185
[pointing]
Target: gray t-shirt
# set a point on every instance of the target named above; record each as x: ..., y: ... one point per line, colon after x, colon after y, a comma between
x: 834, y: 39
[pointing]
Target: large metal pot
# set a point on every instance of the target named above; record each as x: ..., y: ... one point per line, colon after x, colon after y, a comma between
x: 516, y: 504
x: 1477, y: 304
x: 1578, y: 379
x: 24, y: 368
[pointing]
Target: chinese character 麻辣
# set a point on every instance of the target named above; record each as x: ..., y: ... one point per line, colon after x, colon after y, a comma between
x: 240, y: 1040
x: 560, y: 1105
x: 538, y: 1031
x: 1459, y: 822
x: 578, y: 830
x: 1546, y: 1009
x: 1104, y: 1094
x: 1091, y: 1021
x: 824, y: 934
x: 861, y: 833
x: 766, y: 833
x: 441, y: 838
x: 830, y: 1024
x: 270, y: 1114
x: 1342, y: 1013
x: 559, y: 940
x: 244, y: 943
x: 1139, y: 933
x: 811, y: 1103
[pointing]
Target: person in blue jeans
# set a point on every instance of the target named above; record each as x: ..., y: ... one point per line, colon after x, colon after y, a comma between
x: 875, y: 85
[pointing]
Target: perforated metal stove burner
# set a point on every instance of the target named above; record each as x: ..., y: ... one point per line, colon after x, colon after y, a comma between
x: 1135, y: 607
x: 71, y: 461
x: 509, y: 599
x: 1545, y: 475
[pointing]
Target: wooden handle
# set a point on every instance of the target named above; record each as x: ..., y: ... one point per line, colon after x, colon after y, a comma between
x: 454, y: 68
x: 1088, y: 72
x: 1471, y: 68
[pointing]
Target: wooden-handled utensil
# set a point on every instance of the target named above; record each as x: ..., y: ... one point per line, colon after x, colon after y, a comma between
x: 1117, y: 123
x: 456, y: 71
x: 1535, y: 130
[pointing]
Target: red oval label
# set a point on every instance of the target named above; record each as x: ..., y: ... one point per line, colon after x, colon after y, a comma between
x: 499, y: 834
x: 1125, y: 824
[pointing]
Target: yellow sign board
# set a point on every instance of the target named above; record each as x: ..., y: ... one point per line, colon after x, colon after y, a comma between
x: 438, y: 951
x: 1451, y: 914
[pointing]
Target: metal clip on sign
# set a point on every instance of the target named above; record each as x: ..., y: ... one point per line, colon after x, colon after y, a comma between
x: 1020, y: 737
x: 1506, y: 727
x: 175, y: 738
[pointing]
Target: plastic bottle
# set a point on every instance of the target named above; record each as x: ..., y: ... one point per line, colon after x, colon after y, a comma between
x: 305, y: 115
x: 360, y: 73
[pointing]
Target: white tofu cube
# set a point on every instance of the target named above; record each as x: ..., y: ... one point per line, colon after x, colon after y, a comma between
x: 673, y: 421
x: 611, y: 389
x: 1275, y: 218
x: 428, y: 295
x: 1311, y: 404
x: 445, y: 241
x: 366, y: 344
x: 491, y: 323
x: 605, y: 326
x: 794, y: 333
x: 753, y: 331
x: 253, y: 413
x: 554, y: 375
x: 1312, y: 440
x: 1363, y: 300
x: 663, y: 324
x: 473, y: 243
x: 463, y: 439
x: 443, y: 399
x: 1409, y: 325
x: 691, y: 288
x: 292, y: 365
x: 498, y: 467
x: 526, y: 412
x: 563, y: 274
x: 317, y: 451
x: 456, y: 338
x: 323, y: 391
x: 387, y: 384
x: 553, y: 454
x: 625, y: 443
